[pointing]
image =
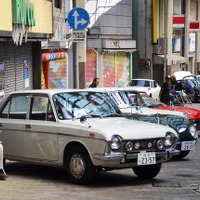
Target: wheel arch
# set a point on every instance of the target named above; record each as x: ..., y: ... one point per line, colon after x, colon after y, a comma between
x: 71, y: 145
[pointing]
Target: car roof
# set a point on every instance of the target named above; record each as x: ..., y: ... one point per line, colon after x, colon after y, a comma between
x: 54, y: 91
x: 143, y: 79
x: 110, y: 89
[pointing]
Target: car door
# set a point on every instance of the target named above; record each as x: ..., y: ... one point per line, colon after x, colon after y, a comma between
x: 12, y: 123
x: 41, y: 131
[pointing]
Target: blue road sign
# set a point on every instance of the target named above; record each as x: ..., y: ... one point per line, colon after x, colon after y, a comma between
x: 78, y: 18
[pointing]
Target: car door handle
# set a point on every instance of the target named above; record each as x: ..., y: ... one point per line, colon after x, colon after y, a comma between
x: 28, y: 126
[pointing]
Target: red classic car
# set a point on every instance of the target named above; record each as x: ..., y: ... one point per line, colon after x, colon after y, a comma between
x: 192, y: 114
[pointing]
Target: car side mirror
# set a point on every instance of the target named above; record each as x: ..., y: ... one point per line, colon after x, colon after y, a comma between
x: 83, y: 119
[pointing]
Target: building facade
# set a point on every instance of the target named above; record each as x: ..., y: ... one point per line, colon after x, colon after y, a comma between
x: 167, y: 37
x: 23, y: 24
x: 107, y: 49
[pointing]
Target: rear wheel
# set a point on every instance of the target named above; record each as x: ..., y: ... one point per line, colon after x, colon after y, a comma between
x: 79, y: 166
x: 147, y: 171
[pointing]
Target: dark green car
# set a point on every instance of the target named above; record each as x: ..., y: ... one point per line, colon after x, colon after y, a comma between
x: 186, y: 130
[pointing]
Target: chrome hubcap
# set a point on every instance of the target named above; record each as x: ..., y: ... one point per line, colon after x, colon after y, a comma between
x: 77, y: 166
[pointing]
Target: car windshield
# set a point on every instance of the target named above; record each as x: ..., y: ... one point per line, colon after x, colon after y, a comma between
x: 140, y: 83
x: 91, y: 104
x: 130, y: 98
x: 150, y: 102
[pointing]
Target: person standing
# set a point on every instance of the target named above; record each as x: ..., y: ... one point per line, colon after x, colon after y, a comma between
x: 164, y: 91
x: 94, y: 83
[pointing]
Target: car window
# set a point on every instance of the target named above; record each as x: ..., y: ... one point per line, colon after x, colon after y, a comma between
x: 153, y: 84
x: 41, y: 109
x: 16, y: 108
x: 146, y: 84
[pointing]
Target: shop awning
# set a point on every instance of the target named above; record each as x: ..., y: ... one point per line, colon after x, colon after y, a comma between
x: 176, y: 59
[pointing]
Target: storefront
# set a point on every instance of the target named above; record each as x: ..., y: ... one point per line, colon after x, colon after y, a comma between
x: 54, y: 69
x: 21, y: 30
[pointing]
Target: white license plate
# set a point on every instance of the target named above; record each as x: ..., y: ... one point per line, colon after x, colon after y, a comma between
x: 188, y: 145
x: 146, y: 158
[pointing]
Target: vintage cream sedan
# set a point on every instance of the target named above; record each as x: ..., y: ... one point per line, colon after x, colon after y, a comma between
x: 82, y: 131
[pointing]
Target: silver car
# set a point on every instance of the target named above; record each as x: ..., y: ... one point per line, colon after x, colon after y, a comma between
x: 82, y: 131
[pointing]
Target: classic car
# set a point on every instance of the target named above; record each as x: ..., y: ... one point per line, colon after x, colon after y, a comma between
x: 82, y: 131
x: 149, y: 86
x: 131, y: 103
x: 192, y: 113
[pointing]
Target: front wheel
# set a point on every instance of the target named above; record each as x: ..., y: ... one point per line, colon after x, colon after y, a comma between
x: 79, y: 166
x: 147, y: 171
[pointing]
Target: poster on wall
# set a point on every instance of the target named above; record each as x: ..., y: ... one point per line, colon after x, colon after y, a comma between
x: 26, y: 73
x: 116, y: 69
x: 2, y: 93
x: 58, y: 73
x: 91, y: 66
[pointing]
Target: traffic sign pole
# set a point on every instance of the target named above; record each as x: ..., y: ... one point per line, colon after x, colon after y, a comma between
x: 78, y: 20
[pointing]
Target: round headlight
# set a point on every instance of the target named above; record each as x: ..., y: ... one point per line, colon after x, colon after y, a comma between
x: 193, y: 131
x: 160, y: 144
x: 116, y: 142
x: 129, y: 146
x: 169, y: 140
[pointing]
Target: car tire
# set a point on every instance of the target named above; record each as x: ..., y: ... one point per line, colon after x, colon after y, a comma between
x: 147, y: 171
x: 79, y: 166
x: 183, y: 154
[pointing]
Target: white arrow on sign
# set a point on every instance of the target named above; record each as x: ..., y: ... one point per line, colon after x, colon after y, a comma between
x: 76, y: 21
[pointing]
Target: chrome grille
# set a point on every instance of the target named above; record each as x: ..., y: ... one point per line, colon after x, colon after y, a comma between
x: 143, y: 145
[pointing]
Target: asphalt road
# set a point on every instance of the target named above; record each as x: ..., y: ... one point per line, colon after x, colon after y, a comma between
x: 177, y: 180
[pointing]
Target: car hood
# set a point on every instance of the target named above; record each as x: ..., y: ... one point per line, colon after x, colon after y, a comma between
x: 127, y: 129
x: 190, y: 112
x: 150, y: 111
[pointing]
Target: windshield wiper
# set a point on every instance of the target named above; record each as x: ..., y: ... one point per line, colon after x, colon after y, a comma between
x: 94, y: 115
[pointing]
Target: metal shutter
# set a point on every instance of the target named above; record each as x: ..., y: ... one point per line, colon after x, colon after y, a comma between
x: 12, y: 56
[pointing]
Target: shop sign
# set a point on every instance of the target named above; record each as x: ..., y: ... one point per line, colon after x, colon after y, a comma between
x: 195, y: 25
x: 23, y: 18
x: 178, y: 21
x: 23, y: 12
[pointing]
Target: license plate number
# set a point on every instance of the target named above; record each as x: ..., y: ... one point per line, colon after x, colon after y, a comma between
x: 146, y: 158
x: 188, y: 145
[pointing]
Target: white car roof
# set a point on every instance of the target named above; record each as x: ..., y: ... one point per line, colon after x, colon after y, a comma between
x: 179, y: 75
x: 145, y: 79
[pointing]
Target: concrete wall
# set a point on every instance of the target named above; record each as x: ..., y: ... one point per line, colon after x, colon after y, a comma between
x: 110, y: 18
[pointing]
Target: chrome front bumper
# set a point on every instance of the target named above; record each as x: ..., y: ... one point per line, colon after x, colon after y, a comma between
x: 124, y: 157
